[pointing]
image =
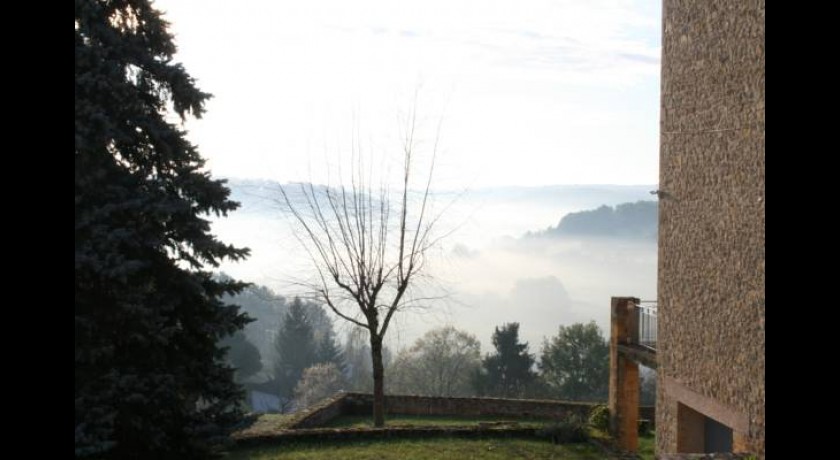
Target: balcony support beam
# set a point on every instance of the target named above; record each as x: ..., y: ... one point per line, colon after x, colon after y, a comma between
x: 624, y: 374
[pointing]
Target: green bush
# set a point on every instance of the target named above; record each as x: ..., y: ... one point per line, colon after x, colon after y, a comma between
x: 599, y: 418
x: 571, y: 430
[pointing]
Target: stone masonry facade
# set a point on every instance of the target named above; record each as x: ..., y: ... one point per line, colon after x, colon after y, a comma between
x: 711, y: 221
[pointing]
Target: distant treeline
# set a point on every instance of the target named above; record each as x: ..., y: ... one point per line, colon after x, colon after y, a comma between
x: 626, y: 220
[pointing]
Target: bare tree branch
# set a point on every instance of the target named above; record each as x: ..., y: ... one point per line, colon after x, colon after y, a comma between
x: 347, y: 234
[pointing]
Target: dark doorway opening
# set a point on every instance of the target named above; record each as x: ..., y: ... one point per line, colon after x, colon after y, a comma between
x: 717, y: 436
x: 697, y: 433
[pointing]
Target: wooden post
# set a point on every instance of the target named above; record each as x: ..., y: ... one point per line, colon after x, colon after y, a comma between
x: 624, y: 374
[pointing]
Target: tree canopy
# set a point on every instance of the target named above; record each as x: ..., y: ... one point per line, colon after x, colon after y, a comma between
x: 328, y: 350
x: 150, y: 377
x: 295, y: 348
x: 508, y: 371
x: 441, y: 363
x: 575, y: 363
x: 242, y: 355
x: 627, y: 220
x: 268, y: 310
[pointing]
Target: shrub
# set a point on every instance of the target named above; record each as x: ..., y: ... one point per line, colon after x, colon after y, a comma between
x: 571, y: 430
x: 599, y: 418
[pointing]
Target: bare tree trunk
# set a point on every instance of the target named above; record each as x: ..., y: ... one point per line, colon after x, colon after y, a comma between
x: 365, y: 274
x: 378, y: 381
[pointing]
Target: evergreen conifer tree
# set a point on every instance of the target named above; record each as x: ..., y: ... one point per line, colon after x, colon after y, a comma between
x: 295, y: 348
x: 150, y: 377
x: 329, y: 351
x: 507, y: 372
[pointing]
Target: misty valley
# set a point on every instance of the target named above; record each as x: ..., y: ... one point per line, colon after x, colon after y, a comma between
x: 537, y: 257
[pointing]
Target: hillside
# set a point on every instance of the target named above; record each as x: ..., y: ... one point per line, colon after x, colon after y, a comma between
x: 626, y: 220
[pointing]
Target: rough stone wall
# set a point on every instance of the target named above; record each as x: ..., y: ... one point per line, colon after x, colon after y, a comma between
x: 361, y: 403
x: 711, y: 211
x: 333, y: 434
x: 717, y: 456
x: 322, y: 413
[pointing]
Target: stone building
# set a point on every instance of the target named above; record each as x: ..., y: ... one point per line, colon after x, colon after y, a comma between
x: 710, y: 348
x: 709, y: 352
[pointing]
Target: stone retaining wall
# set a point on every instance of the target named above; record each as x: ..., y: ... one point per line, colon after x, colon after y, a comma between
x: 362, y: 404
x: 706, y: 456
x: 324, y: 434
x: 320, y: 414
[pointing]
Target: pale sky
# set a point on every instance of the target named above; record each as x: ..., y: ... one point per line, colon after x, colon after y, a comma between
x: 528, y: 92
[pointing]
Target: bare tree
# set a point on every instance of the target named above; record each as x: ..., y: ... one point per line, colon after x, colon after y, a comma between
x: 368, y: 245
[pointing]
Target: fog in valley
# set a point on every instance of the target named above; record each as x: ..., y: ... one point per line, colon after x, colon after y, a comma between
x: 502, y: 257
x: 292, y: 208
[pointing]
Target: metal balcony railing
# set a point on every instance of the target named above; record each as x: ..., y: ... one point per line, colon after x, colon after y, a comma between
x: 646, y: 311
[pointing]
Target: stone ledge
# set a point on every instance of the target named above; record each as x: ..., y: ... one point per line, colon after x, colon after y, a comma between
x: 718, y: 456
x: 322, y: 434
x: 361, y: 403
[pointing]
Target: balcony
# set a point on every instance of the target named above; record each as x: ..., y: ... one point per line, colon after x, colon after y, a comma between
x: 634, y: 330
x: 645, y: 312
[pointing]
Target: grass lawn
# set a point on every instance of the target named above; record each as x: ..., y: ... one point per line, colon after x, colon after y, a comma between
x: 445, y: 448
x: 365, y: 421
x: 647, y: 445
